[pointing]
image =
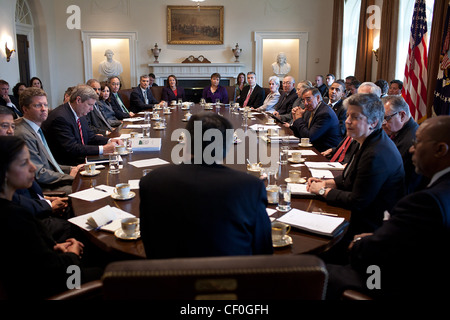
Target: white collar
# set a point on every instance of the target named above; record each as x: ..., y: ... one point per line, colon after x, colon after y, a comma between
x: 74, y: 113
x: 437, y: 175
x: 33, y: 125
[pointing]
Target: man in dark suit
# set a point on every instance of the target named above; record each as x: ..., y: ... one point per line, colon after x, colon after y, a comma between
x: 335, y: 93
x: 211, y: 216
x: 116, y: 100
x: 283, y: 108
x: 68, y: 133
x: 141, y: 97
x: 96, y: 119
x: 252, y: 95
x: 317, y: 121
x: 321, y: 86
x: 410, y: 249
x: 401, y: 128
x: 8, y: 100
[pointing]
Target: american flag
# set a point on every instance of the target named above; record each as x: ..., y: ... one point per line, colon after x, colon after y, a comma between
x: 415, y: 84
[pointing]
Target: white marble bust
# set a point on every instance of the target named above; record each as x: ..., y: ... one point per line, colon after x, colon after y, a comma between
x: 281, y: 67
x: 110, y: 67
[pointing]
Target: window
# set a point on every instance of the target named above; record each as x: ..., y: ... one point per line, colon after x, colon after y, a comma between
x: 352, y: 10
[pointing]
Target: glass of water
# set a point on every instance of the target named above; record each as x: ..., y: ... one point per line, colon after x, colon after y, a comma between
x: 284, y: 198
x: 284, y: 154
x: 114, y: 163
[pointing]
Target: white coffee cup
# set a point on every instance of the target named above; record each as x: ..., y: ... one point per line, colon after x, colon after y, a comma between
x: 304, y: 141
x: 120, y: 149
x: 130, y: 226
x: 279, y: 231
x: 89, y: 168
x: 294, y: 175
x: 271, y: 121
x: 123, y: 189
x: 296, y: 156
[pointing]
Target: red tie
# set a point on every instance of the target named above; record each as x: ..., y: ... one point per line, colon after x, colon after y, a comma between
x: 248, y: 97
x: 81, y: 131
x: 342, y: 150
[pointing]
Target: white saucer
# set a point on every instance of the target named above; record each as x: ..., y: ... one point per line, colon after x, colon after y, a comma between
x: 121, y: 235
x: 167, y: 112
x: 271, y: 124
x: 301, y: 180
x: 124, y: 153
x: 94, y: 173
x: 305, y: 145
x: 254, y: 170
x: 287, y: 241
x: 208, y: 108
x: 185, y: 120
x: 293, y: 161
x: 159, y: 128
x: 184, y: 108
x: 131, y: 195
x: 155, y: 119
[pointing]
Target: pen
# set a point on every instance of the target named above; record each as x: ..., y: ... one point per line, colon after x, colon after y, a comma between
x: 96, y: 188
x: 99, y: 227
x: 326, y: 214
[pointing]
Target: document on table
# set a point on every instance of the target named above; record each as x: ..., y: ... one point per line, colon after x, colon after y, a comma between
x: 101, y: 159
x: 304, y: 152
x: 134, y: 119
x: 256, y: 127
x: 314, y: 222
x: 134, y: 184
x: 298, y: 188
x: 148, y: 162
x: 93, y: 194
x: 106, y: 218
x: 321, y: 174
x: 138, y: 126
x: 325, y: 165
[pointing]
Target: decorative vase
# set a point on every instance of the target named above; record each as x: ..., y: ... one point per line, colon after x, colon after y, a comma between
x: 237, y: 52
x: 156, y: 52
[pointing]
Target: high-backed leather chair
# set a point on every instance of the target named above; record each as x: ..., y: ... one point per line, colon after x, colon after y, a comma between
x: 157, y: 92
x: 217, y: 278
x: 125, y: 96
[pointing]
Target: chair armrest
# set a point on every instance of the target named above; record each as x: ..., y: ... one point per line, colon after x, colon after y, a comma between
x: 354, y: 295
x: 88, y: 291
x: 60, y: 194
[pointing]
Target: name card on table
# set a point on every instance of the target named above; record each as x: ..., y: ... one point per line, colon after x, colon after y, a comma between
x: 146, y: 144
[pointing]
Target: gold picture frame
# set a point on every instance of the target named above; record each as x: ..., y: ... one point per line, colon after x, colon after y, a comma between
x: 195, y: 25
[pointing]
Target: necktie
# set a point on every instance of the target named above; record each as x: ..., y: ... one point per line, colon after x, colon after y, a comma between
x: 81, y: 131
x: 52, y: 160
x: 100, y: 115
x: 248, y: 97
x: 340, y: 153
x: 310, y: 119
x: 124, y: 109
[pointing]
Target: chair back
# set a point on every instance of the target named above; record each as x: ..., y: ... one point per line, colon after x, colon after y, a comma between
x: 217, y: 278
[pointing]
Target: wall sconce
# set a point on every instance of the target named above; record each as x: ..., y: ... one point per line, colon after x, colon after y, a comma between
x: 8, y: 52
x: 376, y: 46
x: 198, y: 3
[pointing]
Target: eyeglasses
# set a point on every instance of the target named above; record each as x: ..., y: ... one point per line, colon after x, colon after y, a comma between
x: 6, y: 126
x: 415, y: 142
x: 387, y: 118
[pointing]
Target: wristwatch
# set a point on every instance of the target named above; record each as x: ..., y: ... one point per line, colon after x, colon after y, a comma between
x: 322, y: 191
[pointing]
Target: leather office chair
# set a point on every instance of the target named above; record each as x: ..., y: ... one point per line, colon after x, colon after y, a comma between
x: 217, y: 278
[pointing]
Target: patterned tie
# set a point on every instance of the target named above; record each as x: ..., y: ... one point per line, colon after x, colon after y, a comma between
x: 310, y: 119
x: 81, y: 131
x: 340, y: 153
x: 52, y: 160
x: 124, y: 109
x: 144, y: 93
x: 248, y: 97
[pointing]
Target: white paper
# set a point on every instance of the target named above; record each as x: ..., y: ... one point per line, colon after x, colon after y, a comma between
x: 298, y: 188
x: 92, y: 194
x: 134, y: 184
x: 102, y: 216
x: 297, y: 165
x: 321, y: 174
x: 317, y: 223
x: 265, y: 128
x: 138, y: 126
x: 148, y: 162
x: 304, y: 152
x: 325, y: 165
x: 134, y: 119
x: 146, y: 144
x: 128, y: 135
x: 105, y: 160
x: 270, y: 211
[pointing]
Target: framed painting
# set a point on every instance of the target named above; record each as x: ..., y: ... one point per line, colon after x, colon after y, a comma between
x: 195, y: 25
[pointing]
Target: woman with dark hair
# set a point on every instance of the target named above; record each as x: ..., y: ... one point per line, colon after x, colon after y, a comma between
x: 104, y: 104
x: 172, y: 91
x: 36, y: 82
x: 33, y: 264
x: 215, y: 91
x: 373, y: 180
x: 18, y: 88
x: 240, y: 84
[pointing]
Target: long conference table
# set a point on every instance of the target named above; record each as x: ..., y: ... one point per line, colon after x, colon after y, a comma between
x: 303, y: 242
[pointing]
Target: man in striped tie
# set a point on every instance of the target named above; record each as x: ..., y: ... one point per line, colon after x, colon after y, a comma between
x: 68, y: 134
x: 49, y: 174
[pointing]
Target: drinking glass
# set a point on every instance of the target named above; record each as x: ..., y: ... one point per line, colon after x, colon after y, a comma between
x: 284, y: 154
x: 114, y: 163
x: 284, y: 198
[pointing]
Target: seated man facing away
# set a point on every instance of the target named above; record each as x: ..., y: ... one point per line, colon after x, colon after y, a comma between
x: 210, y: 217
x: 410, y: 249
x: 67, y: 131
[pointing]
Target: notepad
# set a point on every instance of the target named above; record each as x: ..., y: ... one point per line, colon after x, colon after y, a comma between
x: 106, y: 218
x: 325, y: 165
x: 93, y: 194
x: 315, y: 223
x: 321, y: 174
x: 299, y: 189
x: 148, y: 162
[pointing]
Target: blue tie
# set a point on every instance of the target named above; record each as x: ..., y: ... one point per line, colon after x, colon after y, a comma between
x: 52, y: 160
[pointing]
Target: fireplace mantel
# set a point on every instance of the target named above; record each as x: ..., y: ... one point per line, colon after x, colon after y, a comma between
x: 195, y: 70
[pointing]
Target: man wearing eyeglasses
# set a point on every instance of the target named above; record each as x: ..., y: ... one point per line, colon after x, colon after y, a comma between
x: 401, y: 127
x: 49, y: 174
x: 284, y: 105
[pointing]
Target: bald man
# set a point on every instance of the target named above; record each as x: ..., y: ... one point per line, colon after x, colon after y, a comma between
x: 411, y: 247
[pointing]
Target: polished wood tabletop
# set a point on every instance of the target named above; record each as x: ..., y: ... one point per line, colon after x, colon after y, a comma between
x: 303, y: 242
